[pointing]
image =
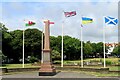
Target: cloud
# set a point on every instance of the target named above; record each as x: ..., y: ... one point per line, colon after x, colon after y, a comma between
x: 15, y: 13
x: 60, y: 1
x: 0, y: 11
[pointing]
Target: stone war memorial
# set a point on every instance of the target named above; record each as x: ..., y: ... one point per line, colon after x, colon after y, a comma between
x: 47, y: 69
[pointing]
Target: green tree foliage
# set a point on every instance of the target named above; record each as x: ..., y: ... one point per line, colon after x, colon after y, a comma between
x: 12, y: 44
x: 98, y: 49
x: 3, y: 28
x: 94, y: 49
x: 17, y: 45
x: 55, y: 55
x: 88, y: 50
x: 116, y: 51
x: 71, y: 48
x: 6, y: 40
x: 55, y: 43
x: 33, y: 43
x: 2, y: 57
x: 33, y: 59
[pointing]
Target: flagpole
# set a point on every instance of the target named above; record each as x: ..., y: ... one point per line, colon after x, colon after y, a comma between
x: 104, y: 44
x: 69, y: 14
x: 42, y: 48
x: 23, y: 47
x: 81, y: 49
x: 42, y: 43
x: 62, y: 46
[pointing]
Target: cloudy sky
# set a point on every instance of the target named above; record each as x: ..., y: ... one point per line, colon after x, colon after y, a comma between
x: 15, y: 12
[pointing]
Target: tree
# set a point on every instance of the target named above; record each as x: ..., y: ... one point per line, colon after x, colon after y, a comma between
x: 71, y: 48
x: 17, y: 45
x: 5, y: 42
x: 94, y: 49
x: 55, y: 43
x: 99, y: 49
x: 3, y: 28
x: 88, y: 49
x: 2, y: 58
x: 13, y: 43
x: 116, y: 51
x: 33, y: 59
x: 33, y: 43
x: 55, y: 55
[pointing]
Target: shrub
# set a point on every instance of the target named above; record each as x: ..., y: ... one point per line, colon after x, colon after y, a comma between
x: 108, y: 62
x: 57, y: 62
x: 55, y: 55
x: 33, y: 59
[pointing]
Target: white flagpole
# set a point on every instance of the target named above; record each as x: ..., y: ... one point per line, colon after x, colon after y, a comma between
x: 42, y: 42
x: 104, y: 44
x: 23, y: 48
x: 42, y: 48
x: 81, y: 49
x: 62, y: 46
x: 62, y: 43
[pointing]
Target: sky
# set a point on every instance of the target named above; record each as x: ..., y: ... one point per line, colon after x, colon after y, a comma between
x: 14, y: 13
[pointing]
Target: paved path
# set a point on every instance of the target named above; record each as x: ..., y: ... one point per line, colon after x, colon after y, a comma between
x: 58, y: 75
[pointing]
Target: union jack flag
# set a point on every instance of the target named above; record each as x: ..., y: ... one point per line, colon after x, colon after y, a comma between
x: 69, y: 14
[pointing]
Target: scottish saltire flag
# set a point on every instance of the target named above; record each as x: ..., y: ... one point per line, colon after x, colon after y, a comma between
x: 86, y: 20
x: 69, y: 14
x: 110, y: 20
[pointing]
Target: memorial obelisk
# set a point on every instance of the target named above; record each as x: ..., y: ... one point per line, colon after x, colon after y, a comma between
x: 47, y: 69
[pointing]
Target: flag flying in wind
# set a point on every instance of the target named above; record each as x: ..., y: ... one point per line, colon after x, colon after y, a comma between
x: 81, y: 25
x: 69, y: 14
x: 51, y: 23
x: 86, y: 20
x: 30, y: 23
x: 110, y: 20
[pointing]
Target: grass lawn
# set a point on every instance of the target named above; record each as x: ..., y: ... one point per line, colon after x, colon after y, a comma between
x: 112, y: 60
x: 103, y: 74
x: 98, y: 74
x: 114, y: 68
x: 109, y: 61
x: 74, y: 62
x: 19, y: 66
x: 111, y: 68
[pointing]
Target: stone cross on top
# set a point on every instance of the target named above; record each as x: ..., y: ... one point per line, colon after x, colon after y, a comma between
x: 47, y: 34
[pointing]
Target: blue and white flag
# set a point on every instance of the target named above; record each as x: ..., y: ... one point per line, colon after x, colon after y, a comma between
x: 111, y: 21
